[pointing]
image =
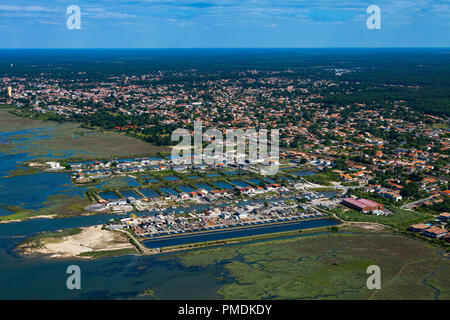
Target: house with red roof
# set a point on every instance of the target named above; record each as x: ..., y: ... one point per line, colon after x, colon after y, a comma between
x: 435, y: 232
x: 420, y: 227
x: 444, y: 216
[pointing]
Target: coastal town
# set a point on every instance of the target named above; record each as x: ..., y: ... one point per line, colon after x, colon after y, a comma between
x: 339, y: 162
x: 166, y: 204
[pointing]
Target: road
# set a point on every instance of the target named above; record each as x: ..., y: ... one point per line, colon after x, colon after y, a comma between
x: 138, y: 243
x: 408, y: 206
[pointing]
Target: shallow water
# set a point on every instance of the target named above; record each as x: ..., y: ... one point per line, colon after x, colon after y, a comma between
x: 149, y: 193
x: 240, y: 183
x: 186, y: 189
x: 112, y: 278
x: 203, y: 186
x: 168, y: 191
x: 303, y: 173
x: 129, y: 193
x: 223, y: 185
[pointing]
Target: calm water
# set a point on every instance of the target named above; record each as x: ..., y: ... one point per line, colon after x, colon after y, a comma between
x: 186, y: 189
x: 303, y: 173
x: 149, y: 193
x: 30, y: 191
x: 223, y: 185
x: 168, y: 191
x: 129, y: 193
x: 112, y: 278
x: 4, y: 211
x: 203, y: 186
x: 232, y: 173
x: 255, y: 181
x: 171, y: 178
x: 270, y: 180
x: 119, y: 181
x: 109, y: 195
x: 240, y: 183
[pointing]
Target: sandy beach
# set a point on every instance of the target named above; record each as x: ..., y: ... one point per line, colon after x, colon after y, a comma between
x: 10, y: 221
x: 42, y: 217
x: 91, y: 239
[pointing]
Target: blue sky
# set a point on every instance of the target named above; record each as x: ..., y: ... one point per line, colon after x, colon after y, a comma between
x: 224, y: 23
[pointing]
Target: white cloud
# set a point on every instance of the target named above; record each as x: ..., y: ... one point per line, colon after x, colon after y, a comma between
x: 100, y: 13
x: 10, y: 8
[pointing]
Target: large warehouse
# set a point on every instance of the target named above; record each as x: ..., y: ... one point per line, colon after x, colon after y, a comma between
x: 364, y: 205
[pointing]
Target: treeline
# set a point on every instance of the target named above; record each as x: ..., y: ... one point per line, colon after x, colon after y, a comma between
x: 435, y: 101
x: 149, y: 129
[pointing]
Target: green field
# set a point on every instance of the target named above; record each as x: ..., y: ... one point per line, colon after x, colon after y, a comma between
x: 327, y: 266
x: 401, y: 219
x: 69, y: 140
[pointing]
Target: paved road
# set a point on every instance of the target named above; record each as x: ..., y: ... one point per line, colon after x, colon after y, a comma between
x: 141, y: 247
x: 414, y: 203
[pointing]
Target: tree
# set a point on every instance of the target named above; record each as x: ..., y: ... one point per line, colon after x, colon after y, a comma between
x: 410, y: 190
